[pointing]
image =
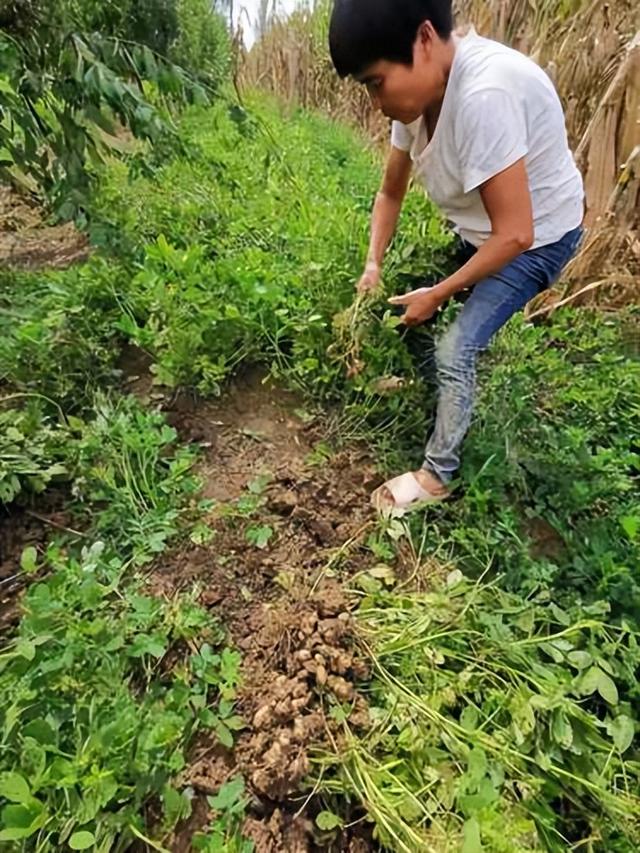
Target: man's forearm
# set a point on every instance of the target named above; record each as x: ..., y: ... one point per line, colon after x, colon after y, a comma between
x: 490, y: 258
x: 386, y: 212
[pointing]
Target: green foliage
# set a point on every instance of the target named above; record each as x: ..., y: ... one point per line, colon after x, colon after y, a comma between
x: 100, y: 696
x: 245, y: 250
x: 261, y: 231
x: 58, y: 334
x: 32, y: 450
x: 72, y: 73
x: 202, y: 41
x: 499, y: 723
x: 551, y: 466
x: 127, y: 467
x: 92, y: 722
x: 224, y: 833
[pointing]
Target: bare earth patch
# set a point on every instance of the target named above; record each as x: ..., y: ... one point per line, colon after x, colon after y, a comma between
x: 283, y: 604
x: 28, y: 242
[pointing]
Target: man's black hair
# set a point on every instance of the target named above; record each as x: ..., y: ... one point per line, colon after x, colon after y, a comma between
x: 363, y: 32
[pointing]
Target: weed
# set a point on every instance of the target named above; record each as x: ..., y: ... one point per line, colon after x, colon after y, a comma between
x: 32, y: 453
x: 224, y: 835
x: 128, y: 467
x: 497, y: 721
x: 92, y: 722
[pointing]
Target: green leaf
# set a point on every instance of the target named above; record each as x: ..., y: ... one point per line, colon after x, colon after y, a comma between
x: 623, y: 731
x: 224, y: 735
x: 561, y: 615
x: 235, y: 723
x: 145, y: 644
x: 228, y: 795
x: 26, y: 649
x: 14, y: 787
x: 589, y: 681
x: 485, y: 795
x: 631, y: 526
x: 21, y: 821
x: 328, y: 821
x: 41, y: 731
x: 607, y: 688
x: 150, y: 64
x: 554, y: 653
x: 561, y: 729
x: 383, y: 573
x: 471, y: 833
x: 469, y: 718
x: 176, y: 805
x: 259, y: 536
x: 257, y: 486
x: 29, y: 560
x: 477, y: 766
x: 82, y: 840
x: 579, y: 659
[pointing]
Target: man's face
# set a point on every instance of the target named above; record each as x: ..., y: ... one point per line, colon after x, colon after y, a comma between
x: 404, y: 92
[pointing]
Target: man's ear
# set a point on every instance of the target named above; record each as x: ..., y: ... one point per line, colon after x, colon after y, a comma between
x: 424, y: 41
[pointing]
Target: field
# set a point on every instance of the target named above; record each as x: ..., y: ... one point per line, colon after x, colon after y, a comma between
x: 208, y: 640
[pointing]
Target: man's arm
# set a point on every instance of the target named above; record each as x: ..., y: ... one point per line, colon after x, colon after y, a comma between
x: 507, y: 200
x: 386, y: 212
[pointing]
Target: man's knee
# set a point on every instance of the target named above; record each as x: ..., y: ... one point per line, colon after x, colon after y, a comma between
x: 455, y: 357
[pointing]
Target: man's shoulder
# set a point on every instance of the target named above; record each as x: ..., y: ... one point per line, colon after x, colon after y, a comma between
x: 487, y: 64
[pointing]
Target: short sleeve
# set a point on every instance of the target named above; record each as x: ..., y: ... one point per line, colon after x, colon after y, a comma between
x: 401, y: 136
x: 490, y: 135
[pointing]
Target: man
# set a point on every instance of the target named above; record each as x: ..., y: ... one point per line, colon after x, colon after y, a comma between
x: 482, y: 128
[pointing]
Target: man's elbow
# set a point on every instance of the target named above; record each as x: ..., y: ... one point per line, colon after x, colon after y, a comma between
x: 523, y: 239
x: 391, y: 194
x: 516, y: 241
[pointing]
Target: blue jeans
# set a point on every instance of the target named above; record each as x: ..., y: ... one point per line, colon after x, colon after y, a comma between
x: 491, y: 303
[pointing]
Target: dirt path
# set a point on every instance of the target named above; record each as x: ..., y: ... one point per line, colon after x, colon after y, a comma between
x: 283, y: 603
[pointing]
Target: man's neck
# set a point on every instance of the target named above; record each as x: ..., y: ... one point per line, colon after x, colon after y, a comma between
x: 446, y: 55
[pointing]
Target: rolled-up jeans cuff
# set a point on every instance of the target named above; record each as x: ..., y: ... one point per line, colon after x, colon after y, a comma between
x: 443, y: 477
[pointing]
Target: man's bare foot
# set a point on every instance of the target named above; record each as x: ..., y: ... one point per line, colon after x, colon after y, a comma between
x: 430, y: 483
x: 412, y: 488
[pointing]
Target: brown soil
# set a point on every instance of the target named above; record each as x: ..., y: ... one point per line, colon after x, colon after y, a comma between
x: 546, y: 541
x: 283, y: 604
x: 27, y: 241
x: 19, y: 529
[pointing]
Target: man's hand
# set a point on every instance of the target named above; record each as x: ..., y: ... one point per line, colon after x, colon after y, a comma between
x: 421, y: 305
x: 370, y: 280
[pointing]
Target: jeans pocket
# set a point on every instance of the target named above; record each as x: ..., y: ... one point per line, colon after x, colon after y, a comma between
x: 577, y: 238
x: 558, y: 255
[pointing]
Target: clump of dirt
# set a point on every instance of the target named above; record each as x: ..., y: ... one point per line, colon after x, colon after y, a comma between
x: 27, y: 241
x: 279, y: 832
x: 298, y: 654
x: 282, y: 601
x: 256, y: 427
x: 546, y: 543
x: 299, y: 657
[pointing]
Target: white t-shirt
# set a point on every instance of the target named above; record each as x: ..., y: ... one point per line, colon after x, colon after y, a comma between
x: 499, y: 106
